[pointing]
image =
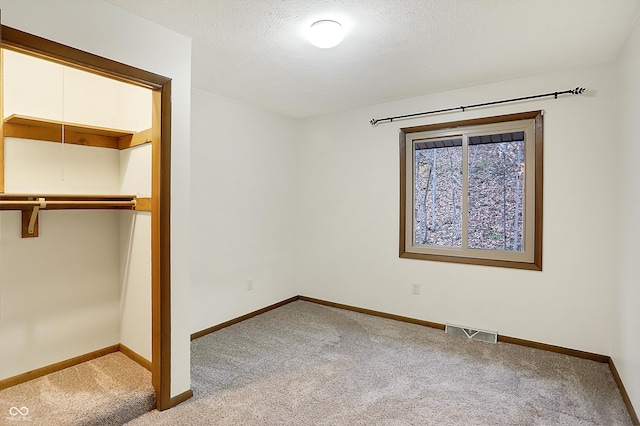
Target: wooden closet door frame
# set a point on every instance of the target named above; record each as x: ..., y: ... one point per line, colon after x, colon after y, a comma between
x: 161, y: 185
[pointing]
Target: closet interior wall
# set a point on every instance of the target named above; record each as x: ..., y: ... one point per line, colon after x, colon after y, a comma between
x: 85, y: 282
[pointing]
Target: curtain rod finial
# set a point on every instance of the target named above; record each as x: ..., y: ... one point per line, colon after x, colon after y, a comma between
x: 578, y: 90
x: 373, y: 122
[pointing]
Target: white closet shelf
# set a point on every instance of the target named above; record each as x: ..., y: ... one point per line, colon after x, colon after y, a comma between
x: 24, y: 127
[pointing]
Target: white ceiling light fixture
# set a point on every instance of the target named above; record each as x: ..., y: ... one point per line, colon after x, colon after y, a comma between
x: 325, y: 34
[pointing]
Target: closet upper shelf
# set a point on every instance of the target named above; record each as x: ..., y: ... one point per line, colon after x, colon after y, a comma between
x: 23, y: 127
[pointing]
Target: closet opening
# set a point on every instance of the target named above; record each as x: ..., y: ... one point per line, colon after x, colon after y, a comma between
x: 85, y: 162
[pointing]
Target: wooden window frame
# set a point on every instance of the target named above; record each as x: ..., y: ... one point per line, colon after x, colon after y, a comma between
x: 448, y: 255
x: 161, y: 185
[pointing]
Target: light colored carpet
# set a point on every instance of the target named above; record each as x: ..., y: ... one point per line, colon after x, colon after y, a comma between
x: 109, y: 390
x: 307, y: 364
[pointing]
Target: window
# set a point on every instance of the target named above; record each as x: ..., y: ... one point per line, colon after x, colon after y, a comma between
x: 471, y: 191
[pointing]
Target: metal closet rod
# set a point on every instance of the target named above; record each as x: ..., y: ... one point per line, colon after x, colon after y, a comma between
x: 576, y: 91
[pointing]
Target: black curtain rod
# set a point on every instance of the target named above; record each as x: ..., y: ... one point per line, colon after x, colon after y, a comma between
x: 576, y: 91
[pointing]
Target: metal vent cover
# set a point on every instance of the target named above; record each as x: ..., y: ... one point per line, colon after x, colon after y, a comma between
x: 472, y: 333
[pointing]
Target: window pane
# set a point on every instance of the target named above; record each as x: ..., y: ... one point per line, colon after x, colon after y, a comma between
x: 438, y: 193
x: 496, y: 192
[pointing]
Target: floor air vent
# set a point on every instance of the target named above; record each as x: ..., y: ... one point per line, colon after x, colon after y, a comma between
x: 471, y: 333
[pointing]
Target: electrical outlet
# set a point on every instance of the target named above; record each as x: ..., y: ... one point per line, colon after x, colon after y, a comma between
x: 249, y: 284
x: 415, y: 288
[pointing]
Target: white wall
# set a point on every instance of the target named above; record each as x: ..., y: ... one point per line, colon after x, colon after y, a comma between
x: 54, y: 168
x: 135, y: 282
x: 108, y: 31
x: 62, y: 94
x: 135, y: 251
x: 135, y: 170
x: 59, y: 293
x: 626, y: 315
x: 243, y: 181
x: 348, y: 218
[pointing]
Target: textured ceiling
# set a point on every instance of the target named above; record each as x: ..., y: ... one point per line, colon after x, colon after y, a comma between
x: 256, y: 50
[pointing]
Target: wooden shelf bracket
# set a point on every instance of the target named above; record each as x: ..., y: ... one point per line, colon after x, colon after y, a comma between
x: 34, y: 216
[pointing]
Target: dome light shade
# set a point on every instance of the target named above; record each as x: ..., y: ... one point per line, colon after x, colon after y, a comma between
x: 325, y: 34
